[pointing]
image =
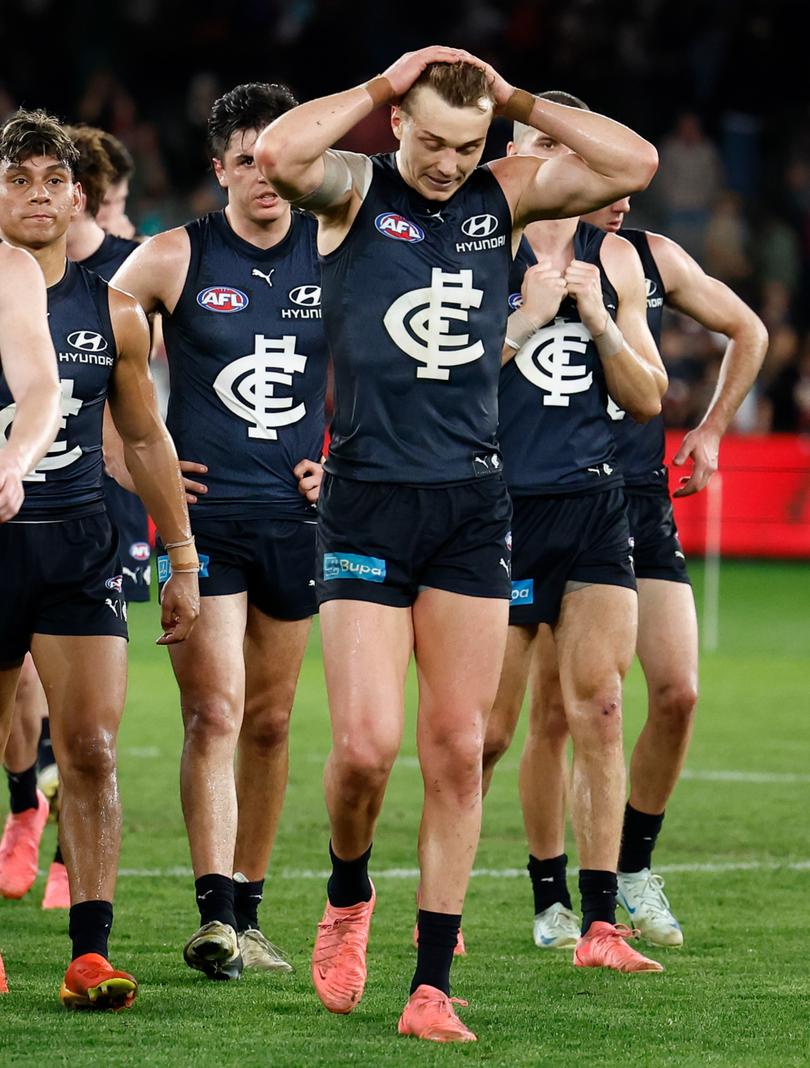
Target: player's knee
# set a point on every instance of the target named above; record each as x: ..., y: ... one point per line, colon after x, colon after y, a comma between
x: 498, y: 737
x: 548, y: 722
x: 597, y: 714
x: 452, y: 762
x: 364, y: 764
x: 88, y: 754
x: 210, y: 717
x: 674, y: 706
x: 266, y: 728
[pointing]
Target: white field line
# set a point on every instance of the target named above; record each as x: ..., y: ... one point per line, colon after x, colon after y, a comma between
x: 487, y: 873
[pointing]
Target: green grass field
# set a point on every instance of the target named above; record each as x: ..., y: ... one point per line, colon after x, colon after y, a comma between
x: 735, y: 851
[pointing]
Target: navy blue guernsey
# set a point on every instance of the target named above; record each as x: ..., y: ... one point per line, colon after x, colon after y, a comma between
x: 554, y: 429
x: 640, y: 447
x: 247, y: 363
x: 415, y: 311
x: 109, y: 256
x: 66, y: 484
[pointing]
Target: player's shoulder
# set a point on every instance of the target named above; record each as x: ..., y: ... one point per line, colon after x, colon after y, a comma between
x: 14, y: 260
x: 170, y: 248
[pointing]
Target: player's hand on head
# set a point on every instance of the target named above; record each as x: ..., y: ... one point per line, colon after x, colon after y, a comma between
x: 404, y: 72
x: 584, y: 284
x: 192, y: 487
x: 543, y: 290
x: 179, y: 607
x: 702, y: 446
x: 310, y: 475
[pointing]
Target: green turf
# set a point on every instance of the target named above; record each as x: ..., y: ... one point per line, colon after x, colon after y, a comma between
x: 737, y: 994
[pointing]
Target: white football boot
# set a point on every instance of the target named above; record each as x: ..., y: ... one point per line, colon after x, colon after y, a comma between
x: 556, y: 927
x: 642, y: 895
x: 257, y: 952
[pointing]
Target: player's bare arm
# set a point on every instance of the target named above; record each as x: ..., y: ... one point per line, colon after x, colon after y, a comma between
x: 152, y: 462
x: 716, y: 307
x: 295, y: 152
x: 542, y: 290
x: 155, y: 273
x: 609, y: 160
x: 29, y: 367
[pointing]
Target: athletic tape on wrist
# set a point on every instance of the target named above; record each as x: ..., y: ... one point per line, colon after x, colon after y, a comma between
x: 519, y: 107
x: 519, y: 328
x: 610, y: 341
x: 380, y: 90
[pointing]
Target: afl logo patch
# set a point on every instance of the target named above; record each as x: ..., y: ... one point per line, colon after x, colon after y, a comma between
x: 140, y: 551
x: 479, y: 225
x: 515, y: 300
x: 398, y: 227
x: 306, y: 296
x: 87, y: 341
x: 222, y: 299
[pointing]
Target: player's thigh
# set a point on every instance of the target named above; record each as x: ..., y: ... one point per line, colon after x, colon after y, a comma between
x: 209, y: 664
x: 273, y: 651
x: 595, y: 638
x: 366, y: 649
x: 667, y: 642
x: 85, y: 683
x: 459, y: 644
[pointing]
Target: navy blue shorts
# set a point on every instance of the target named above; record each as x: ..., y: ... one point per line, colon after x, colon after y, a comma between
x: 384, y: 543
x: 128, y: 516
x: 566, y: 538
x: 59, y: 578
x: 656, y: 549
x: 272, y: 560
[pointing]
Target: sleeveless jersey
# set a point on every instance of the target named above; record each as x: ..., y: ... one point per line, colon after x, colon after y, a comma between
x: 247, y: 363
x: 415, y: 311
x: 109, y: 256
x: 554, y: 428
x: 66, y: 484
x: 640, y: 446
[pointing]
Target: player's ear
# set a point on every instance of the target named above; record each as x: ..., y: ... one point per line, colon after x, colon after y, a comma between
x: 219, y: 172
x: 397, y: 121
x: 511, y: 150
x: 79, y: 200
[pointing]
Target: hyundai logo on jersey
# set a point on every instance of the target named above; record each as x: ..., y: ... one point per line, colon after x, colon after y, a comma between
x: 398, y: 227
x: 222, y: 299
x: 88, y: 340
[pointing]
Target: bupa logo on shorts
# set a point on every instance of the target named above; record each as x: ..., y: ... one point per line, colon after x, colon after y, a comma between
x: 479, y: 225
x: 523, y: 592
x: 352, y: 566
x: 390, y: 224
x: 165, y: 567
x: 140, y: 551
x: 115, y: 583
x: 306, y: 296
x: 87, y: 341
x: 515, y: 301
x: 224, y: 299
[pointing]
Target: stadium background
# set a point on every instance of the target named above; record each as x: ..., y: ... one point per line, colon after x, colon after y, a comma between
x: 721, y: 88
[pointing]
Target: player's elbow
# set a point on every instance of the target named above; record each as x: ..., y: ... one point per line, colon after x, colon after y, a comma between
x: 270, y: 150
x: 643, y: 168
x: 645, y: 408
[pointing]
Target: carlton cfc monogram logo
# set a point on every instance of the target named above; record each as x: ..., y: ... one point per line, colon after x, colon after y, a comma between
x: 418, y: 323
x: 247, y: 386
x: 545, y: 361
x: 58, y: 456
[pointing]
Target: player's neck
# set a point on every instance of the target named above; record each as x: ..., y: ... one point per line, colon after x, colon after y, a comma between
x: 52, y: 260
x: 554, y: 238
x: 262, y: 235
x: 84, y: 237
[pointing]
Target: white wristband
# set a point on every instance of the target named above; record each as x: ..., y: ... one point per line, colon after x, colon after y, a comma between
x: 610, y: 341
x: 519, y: 328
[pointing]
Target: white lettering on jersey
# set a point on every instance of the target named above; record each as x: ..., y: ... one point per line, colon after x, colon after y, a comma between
x: 418, y: 323
x: 247, y: 386
x: 545, y: 361
x: 614, y: 411
x: 58, y: 455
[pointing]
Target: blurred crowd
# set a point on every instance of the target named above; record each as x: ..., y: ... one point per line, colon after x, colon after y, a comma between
x: 718, y: 85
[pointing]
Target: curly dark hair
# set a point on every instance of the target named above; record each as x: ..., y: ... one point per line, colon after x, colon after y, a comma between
x: 247, y: 107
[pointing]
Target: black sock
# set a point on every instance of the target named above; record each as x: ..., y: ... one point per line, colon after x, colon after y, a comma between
x: 215, y: 899
x: 549, y: 882
x: 638, y: 839
x: 247, y: 896
x: 598, y: 892
x: 44, y: 747
x: 349, y: 883
x: 438, y: 934
x: 89, y: 926
x: 22, y: 789
x: 57, y: 857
